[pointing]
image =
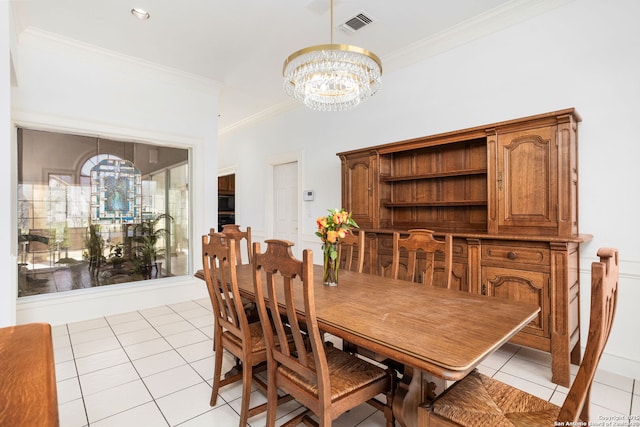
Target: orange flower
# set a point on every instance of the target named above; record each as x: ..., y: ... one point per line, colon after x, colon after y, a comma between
x: 332, y: 236
x: 333, y: 227
x: 322, y: 222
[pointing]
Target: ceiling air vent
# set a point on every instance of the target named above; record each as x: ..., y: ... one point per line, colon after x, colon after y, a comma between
x: 357, y: 22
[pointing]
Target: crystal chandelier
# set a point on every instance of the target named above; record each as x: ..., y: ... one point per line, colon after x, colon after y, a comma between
x: 332, y: 77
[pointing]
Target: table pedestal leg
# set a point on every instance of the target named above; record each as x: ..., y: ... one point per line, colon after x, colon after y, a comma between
x: 413, y: 389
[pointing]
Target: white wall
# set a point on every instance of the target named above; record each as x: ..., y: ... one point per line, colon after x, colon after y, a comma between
x: 8, y: 291
x: 69, y: 87
x: 581, y: 55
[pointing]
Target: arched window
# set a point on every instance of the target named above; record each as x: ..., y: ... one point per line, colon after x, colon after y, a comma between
x: 85, y: 170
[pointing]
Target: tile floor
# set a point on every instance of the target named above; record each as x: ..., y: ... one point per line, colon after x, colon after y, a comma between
x: 154, y: 368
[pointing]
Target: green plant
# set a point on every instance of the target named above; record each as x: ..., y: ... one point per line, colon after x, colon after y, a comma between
x: 64, y: 244
x: 116, y: 251
x: 116, y: 255
x: 145, y: 240
x: 94, y: 247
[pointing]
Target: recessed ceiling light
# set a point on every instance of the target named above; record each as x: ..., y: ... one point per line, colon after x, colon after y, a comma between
x: 140, y: 13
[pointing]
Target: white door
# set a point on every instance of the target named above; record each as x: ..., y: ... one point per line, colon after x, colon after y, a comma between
x: 285, y: 203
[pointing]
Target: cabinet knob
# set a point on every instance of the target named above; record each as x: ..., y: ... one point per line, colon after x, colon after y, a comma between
x: 512, y: 255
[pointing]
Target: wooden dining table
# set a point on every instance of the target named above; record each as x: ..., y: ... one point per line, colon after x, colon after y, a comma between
x: 435, y: 332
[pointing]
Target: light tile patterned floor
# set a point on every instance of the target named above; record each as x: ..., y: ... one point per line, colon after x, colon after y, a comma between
x: 155, y: 368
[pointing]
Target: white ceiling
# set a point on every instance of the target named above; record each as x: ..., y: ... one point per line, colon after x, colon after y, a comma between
x: 242, y: 43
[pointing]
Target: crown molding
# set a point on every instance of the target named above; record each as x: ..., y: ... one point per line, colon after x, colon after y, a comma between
x: 35, y: 37
x: 265, y: 114
x: 489, y: 22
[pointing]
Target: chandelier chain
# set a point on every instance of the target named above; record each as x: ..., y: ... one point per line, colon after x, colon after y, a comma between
x: 331, y: 28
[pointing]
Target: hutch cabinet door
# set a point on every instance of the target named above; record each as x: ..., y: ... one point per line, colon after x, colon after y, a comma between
x: 531, y: 287
x: 358, y: 193
x: 527, y: 183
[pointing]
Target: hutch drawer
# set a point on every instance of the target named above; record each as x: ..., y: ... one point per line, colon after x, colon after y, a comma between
x: 531, y: 253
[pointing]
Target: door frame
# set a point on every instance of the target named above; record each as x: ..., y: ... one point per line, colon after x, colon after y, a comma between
x: 271, y: 163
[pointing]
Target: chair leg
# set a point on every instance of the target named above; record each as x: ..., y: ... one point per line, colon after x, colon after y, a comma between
x: 388, y: 409
x: 272, y: 398
x: 217, y: 368
x: 584, y: 414
x: 247, y: 372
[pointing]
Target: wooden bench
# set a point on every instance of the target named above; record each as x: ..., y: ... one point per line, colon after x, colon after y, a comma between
x: 28, y: 394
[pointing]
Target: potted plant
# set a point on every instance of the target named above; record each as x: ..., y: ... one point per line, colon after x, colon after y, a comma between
x: 116, y: 256
x: 145, y: 238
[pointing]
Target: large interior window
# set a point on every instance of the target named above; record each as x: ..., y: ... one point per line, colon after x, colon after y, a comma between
x: 95, y: 212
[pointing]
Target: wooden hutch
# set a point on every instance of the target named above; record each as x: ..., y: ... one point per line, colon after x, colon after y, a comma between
x: 508, y: 193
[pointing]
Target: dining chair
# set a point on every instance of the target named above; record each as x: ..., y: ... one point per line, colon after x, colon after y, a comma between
x: 232, y: 330
x: 39, y: 247
x: 421, y: 243
x: 233, y: 231
x: 323, y: 378
x: 478, y: 400
x: 351, y: 251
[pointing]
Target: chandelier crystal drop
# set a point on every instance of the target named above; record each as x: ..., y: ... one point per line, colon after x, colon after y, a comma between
x: 332, y: 77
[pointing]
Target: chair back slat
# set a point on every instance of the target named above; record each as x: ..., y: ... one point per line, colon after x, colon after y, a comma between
x: 604, y: 299
x: 233, y: 231
x: 420, y: 248
x: 290, y: 295
x: 351, y: 251
x: 218, y: 261
x: 279, y: 325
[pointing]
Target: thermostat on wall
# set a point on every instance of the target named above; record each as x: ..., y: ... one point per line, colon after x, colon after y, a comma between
x: 308, y: 195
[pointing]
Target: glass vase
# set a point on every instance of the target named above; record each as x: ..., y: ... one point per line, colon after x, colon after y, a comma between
x: 331, y: 266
